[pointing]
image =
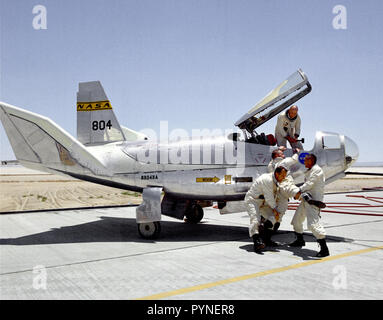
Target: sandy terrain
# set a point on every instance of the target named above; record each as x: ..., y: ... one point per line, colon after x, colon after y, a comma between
x: 357, y: 182
x: 25, y: 189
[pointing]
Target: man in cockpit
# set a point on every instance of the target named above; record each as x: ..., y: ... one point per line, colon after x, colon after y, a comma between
x: 288, y: 128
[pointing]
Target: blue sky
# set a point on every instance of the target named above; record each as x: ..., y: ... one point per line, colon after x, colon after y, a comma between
x: 197, y: 64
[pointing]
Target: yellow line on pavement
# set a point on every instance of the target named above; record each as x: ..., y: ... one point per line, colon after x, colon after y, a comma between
x: 255, y: 275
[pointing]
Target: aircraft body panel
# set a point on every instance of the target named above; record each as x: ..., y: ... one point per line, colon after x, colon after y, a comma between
x: 216, y: 180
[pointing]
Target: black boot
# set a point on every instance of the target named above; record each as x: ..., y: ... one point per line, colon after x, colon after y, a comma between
x: 323, y: 249
x: 267, y: 238
x: 258, y: 243
x: 276, y: 227
x: 266, y: 232
x: 299, y: 242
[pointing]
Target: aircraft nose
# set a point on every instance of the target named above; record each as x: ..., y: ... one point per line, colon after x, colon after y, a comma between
x: 351, y: 151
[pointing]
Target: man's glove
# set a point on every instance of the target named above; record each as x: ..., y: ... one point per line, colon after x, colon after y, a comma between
x: 307, y: 196
x: 276, y: 214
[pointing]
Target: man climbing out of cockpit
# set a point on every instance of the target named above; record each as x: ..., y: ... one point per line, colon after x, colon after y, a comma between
x: 288, y: 128
x: 278, y: 158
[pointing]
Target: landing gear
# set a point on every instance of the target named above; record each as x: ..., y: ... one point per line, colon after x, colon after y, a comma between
x: 148, y: 213
x: 149, y: 230
x: 194, y: 213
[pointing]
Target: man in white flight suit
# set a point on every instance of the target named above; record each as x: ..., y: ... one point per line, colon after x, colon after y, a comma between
x: 312, y: 192
x: 287, y: 188
x: 260, y: 202
x: 288, y: 128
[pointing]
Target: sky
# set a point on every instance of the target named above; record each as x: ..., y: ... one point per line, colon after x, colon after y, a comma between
x: 198, y: 64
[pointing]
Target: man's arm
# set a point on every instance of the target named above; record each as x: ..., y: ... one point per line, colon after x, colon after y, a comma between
x: 268, y: 193
x: 288, y: 189
x: 270, y: 166
x: 297, y: 127
x: 290, y: 161
x: 252, y: 194
x: 316, y: 173
x: 279, y: 128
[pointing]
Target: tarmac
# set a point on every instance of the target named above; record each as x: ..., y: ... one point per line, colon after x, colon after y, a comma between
x: 98, y: 254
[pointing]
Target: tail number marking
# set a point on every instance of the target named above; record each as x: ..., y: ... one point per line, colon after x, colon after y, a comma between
x: 100, y: 125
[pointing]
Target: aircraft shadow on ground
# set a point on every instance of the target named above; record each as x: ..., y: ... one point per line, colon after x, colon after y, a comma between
x: 112, y: 229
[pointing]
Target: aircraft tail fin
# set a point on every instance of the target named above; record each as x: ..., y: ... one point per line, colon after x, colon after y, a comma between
x: 40, y: 144
x: 96, y: 121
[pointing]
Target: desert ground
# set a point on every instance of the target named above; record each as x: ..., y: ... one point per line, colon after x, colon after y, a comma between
x: 22, y: 189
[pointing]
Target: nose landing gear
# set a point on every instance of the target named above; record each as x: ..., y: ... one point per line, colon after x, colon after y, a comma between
x: 149, y: 230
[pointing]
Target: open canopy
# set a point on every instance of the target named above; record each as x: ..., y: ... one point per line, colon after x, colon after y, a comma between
x: 289, y: 91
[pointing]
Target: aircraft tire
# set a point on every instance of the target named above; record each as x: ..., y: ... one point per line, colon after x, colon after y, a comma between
x: 149, y: 230
x: 194, y: 214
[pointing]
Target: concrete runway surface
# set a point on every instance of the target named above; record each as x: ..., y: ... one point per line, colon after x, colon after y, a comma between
x: 98, y: 254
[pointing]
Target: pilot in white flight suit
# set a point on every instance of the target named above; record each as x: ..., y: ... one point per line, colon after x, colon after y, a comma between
x: 312, y: 188
x: 288, y: 128
x: 261, y: 202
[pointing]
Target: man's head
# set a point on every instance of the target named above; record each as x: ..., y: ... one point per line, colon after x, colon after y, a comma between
x: 293, y: 111
x: 310, y: 160
x: 280, y: 173
x: 277, y: 153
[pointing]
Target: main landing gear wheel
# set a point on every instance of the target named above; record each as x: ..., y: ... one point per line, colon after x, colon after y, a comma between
x: 149, y: 230
x: 194, y: 214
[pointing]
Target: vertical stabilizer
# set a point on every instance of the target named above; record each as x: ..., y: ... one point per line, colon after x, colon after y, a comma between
x: 96, y: 122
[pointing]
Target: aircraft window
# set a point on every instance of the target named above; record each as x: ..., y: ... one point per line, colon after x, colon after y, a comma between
x: 331, y: 142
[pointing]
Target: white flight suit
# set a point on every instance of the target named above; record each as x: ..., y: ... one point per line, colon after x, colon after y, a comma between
x: 314, y: 184
x: 287, y: 127
x: 266, y: 186
x: 286, y: 189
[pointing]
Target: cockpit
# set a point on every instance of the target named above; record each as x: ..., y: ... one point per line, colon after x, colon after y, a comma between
x: 284, y: 95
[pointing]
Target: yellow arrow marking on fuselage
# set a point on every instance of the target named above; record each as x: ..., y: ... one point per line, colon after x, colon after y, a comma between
x: 208, y: 179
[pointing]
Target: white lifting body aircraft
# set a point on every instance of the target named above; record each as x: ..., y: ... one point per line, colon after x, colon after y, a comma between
x: 176, y: 178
